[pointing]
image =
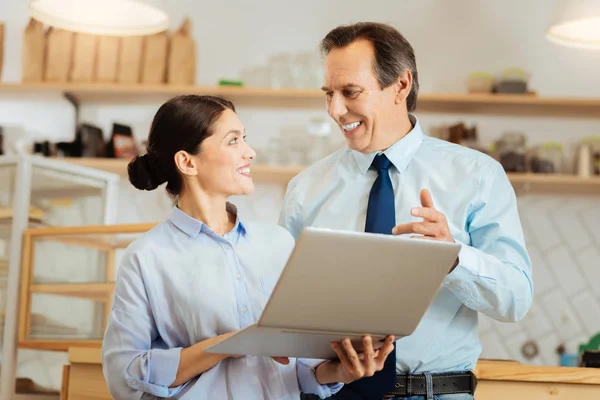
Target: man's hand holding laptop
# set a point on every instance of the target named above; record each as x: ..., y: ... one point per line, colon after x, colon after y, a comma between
x: 352, y: 365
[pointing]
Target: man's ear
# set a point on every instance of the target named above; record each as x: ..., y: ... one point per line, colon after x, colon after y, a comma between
x: 403, y: 86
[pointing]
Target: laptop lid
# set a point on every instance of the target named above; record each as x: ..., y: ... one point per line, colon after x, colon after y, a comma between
x: 357, y: 282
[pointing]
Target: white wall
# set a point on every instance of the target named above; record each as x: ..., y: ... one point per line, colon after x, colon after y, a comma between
x: 451, y: 39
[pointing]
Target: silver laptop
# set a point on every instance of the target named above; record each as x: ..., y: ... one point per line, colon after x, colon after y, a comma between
x: 339, y: 284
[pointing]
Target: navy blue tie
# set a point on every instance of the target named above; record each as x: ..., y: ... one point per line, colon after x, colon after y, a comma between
x: 381, y: 218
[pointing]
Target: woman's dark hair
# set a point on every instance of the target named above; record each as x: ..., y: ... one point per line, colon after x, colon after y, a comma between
x: 182, y: 123
x: 393, y: 53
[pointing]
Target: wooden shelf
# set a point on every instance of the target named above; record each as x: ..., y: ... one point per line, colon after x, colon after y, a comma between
x: 494, y: 104
x: 509, y: 105
x: 282, y: 174
x: 58, y: 345
x: 92, y: 291
x: 555, y: 183
x: 151, y: 94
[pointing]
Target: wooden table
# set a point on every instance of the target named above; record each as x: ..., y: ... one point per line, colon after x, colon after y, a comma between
x: 498, y: 380
x: 501, y: 380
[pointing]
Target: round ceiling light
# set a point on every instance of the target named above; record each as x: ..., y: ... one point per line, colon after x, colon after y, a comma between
x: 576, y: 23
x: 101, y: 17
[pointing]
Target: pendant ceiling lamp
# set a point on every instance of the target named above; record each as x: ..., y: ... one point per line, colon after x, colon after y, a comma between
x: 576, y: 23
x: 102, y: 17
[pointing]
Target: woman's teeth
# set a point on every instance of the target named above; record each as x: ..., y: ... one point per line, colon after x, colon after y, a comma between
x: 351, y: 126
x: 244, y: 171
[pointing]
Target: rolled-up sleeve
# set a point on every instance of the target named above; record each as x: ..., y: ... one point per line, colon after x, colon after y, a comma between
x: 132, y: 368
x: 494, y: 273
x: 307, y: 379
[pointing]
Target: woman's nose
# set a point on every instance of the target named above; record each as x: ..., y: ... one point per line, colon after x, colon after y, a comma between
x: 250, y: 153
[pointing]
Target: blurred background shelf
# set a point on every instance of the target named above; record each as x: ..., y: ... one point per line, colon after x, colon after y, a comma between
x: 58, y: 345
x: 500, y: 104
x: 282, y: 175
x: 556, y: 182
x: 6, y: 227
x: 68, y: 275
x: 96, y: 291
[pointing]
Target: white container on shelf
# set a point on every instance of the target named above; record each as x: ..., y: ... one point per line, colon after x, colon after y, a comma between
x: 584, y: 161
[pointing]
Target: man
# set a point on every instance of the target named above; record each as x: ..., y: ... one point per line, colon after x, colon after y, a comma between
x: 393, y: 179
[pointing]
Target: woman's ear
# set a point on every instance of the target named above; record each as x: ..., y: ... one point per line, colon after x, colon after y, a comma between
x: 185, y: 163
x: 403, y: 86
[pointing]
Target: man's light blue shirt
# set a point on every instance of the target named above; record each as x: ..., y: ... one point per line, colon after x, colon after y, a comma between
x: 180, y: 284
x: 494, y: 274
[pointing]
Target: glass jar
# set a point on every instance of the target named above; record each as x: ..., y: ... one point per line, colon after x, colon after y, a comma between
x: 511, y: 151
x: 595, y: 154
x: 293, y: 145
x: 480, y: 82
x: 256, y: 76
x: 319, y: 134
x: 281, y: 75
x: 548, y: 159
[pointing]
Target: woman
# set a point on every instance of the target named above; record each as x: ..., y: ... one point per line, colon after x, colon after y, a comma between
x: 203, y: 274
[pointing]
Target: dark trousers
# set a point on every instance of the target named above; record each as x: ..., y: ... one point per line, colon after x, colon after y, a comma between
x: 341, y: 395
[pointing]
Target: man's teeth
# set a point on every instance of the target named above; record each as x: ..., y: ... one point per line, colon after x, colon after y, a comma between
x: 351, y: 126
x: 244, y: 171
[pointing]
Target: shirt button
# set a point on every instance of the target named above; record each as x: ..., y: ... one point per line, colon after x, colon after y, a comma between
x: 238, y: 276
x: 244, y: 309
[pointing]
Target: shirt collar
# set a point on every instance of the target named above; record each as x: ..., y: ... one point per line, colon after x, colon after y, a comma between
x: 192, y: 227
x: 400, y: 153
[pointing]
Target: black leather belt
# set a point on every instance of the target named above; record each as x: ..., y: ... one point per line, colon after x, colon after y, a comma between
x: 415, y: 385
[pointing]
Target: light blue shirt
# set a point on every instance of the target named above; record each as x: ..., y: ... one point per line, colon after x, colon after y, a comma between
x: 181, y: 283
x: 494, y: 275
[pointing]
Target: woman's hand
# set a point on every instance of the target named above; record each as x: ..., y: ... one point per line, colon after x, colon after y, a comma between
x: 280, y: 360
x: 194, y: 360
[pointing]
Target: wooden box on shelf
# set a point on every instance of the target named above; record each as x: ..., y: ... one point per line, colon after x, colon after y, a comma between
x: 67, y: 283
x: 82, y: 377
x: 32, y: 53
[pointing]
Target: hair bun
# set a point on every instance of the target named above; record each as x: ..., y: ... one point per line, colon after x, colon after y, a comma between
x: 144, y: 173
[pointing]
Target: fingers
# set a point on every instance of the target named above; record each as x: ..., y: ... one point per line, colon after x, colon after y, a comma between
x: 369, y: 363
x: 429, y: 214
x: 352, y: 355
x: 282, y: 360
x: 402, y: 229
x: 367, y: 347
x: 341, y: 355
x: 426, y: 200
x: 422, y: 228
x: 384, y: 352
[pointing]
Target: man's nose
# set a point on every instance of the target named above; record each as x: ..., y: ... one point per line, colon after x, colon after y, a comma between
x: 337, y: 106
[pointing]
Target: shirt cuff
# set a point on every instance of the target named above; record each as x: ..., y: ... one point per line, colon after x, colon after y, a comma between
x: 465, y: 272
x: 308, y: 383
x: 162, y: 365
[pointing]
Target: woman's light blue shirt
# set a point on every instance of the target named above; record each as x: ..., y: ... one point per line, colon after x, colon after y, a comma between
x: 181, y: 283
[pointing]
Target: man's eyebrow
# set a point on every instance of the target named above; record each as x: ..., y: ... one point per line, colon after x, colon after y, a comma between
x: 346, y: 86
